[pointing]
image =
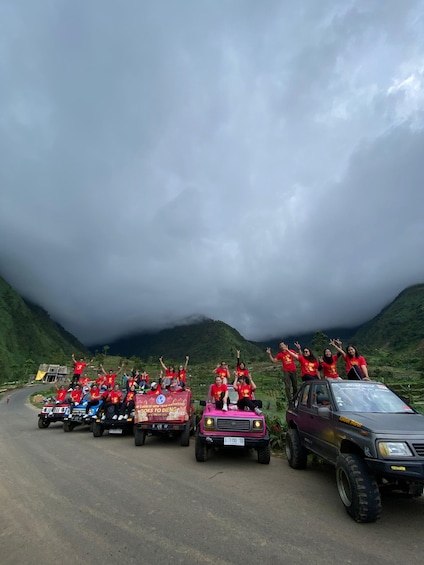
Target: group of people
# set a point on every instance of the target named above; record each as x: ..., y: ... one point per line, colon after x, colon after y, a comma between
x: 312, y: 368
x: 243, y: 384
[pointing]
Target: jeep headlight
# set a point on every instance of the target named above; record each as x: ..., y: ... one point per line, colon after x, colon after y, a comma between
x: 257, y: 425
x: 394, y: 449
x: 209, y: 423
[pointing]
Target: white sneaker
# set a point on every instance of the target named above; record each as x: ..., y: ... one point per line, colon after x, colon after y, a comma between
x: 115, y: 417
x: 103, y: 417
x: 121, y: 417
x: 258, y: 411
x: 225, y: 408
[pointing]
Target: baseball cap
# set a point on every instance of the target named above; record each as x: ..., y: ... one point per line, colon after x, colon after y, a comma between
x: 153, y: 384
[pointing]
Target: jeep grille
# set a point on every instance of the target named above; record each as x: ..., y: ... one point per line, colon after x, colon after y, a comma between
x: 233, y: 425
x: 419, y: 448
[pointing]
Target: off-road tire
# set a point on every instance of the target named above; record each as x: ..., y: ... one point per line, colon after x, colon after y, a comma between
x: 67, y: 427
x: 264, y: 454
x: 297, y: 455
x: 357, y: 488
x: 43, y: 423
x: 139, y: 436
x: 97, y: 429
x: 185, y: 436
x: 201, y: 451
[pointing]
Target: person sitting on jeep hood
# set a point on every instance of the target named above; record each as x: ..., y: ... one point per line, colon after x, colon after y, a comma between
x: 76, y: 395
x: 219, y: 394
x: 61, y: 394
x: 128, y: 404
x: 245, y: 388
x: 154, y: 389
x: 113, y: 398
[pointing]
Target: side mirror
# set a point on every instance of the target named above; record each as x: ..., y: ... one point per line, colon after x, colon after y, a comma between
x: 324, y: 412
x: 202, y: 402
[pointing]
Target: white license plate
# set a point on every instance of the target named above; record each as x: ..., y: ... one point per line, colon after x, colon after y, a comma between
x: 239, y: 441
x: 116, y: 431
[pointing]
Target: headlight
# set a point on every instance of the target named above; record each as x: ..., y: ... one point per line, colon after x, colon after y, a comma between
x: 209, y: 423
x: 394, y: 449
x: 257, y: 425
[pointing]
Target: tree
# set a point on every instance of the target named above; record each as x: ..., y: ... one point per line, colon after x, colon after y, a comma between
x: 319, y: 342
x: 106, y: 349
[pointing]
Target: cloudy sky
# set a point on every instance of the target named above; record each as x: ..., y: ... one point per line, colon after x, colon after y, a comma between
x: 260, y: 163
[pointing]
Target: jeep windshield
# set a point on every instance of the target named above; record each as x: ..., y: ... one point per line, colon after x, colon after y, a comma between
x: 367, y: 397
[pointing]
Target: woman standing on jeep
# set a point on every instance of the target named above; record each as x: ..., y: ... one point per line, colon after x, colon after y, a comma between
x: 308, y: 363
x: 356, y: 366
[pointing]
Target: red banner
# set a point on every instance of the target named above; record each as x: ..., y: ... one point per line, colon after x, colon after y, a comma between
x: 172, y: 407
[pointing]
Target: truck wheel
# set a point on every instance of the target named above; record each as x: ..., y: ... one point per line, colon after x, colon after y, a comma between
x: 67, y: 427
x: 297, y: 455
x: 97, y: 429
x: 139, y: 436
x: 43, y: 423
x: 357, y: 488
x: 264, y: 454
x: 185, y: 436
x: 201, y: 451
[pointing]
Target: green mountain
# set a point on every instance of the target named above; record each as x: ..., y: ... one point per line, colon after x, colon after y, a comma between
x: 399, y: 326
x: 205, y: 341
x: 28, y: 337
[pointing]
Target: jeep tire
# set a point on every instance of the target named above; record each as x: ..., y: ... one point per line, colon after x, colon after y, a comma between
x: 264, y: 454
x: 97, y: 429
x: 201, y: 450
x: 297, y: 455
x: 357, y: 488
x: 185, y: 435
x: 139, y: 436
x: 43, y: 423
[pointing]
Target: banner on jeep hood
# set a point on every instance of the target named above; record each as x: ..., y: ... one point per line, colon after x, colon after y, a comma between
x: 173, y: 407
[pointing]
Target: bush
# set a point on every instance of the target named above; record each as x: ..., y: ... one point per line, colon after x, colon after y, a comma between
x: 277, y: 431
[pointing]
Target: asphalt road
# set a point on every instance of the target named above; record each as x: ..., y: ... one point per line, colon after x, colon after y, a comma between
x: 71, y: 498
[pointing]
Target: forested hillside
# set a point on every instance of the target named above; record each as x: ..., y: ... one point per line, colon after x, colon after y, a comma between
x: 207, y: 340
x: 28, y: 336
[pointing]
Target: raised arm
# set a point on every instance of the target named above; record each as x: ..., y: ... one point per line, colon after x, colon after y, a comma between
x: 293, y: 353
x: 271, y: 358
x: 120, y: 368
x: 252, y: 384
x: 238, y: 358
x: 186, y: 362
x: 337, y: 344
x: 103, y: 369
x: 162, y: 364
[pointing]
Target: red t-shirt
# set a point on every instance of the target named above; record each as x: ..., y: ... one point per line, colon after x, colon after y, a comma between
x: 95, y: 393
x: 287, y: 361
x: 330, y: 369
x: 79, y: 367
x: 115, y: 396
x: 352, y: 361
x: 244, y: 391
x: 101, y: 380
x: 61, y: 395
x: 83, y: 381
x: 130, y: 395
x: 76, y: 396
x: 216, y: 391
x: 110, y: 379
x: 221, y: 372
x: 182, y: 375
x: 308, y: 367
x: 156, y: 391
x: 242, y: 372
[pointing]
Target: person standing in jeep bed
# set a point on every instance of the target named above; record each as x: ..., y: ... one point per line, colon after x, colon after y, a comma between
x: 356, y: 366
x: 289, y: 371
x: 79, y: 367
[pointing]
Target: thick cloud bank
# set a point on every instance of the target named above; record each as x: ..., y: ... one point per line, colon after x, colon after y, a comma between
x: 261, y: 163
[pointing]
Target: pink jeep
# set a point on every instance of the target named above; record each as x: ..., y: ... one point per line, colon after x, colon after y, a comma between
x: 233, y: 428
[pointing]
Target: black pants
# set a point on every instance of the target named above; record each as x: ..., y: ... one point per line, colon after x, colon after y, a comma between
x: 90, y: 404
x: 126, y: 408
x: 290, y: 384
x: 243, y: 403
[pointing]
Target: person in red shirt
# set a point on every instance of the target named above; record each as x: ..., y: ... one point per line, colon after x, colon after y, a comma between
x: 110, y: 377
x: 245, y: 388
x: 83, y: 380
x: 308, y: 362
x: 241, y: 369
x: 328, y: 365
x: 155, y: 388
x: 182, y: 372
x: 170, y: 372
x: 79, y: 367
x: 76, y: 395
x: 95, y: 397
x: 113, y: 398
x: 61, y: 395
x: 128, y: 404
x: 219, y: 393
x: 222, y: 371
x: 356, y: 366
x: 289, y: 371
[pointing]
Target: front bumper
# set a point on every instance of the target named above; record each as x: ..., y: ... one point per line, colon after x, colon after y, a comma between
x: 220, y: 440
x: 396, y: 470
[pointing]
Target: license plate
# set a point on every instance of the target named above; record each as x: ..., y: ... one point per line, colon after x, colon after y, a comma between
x: 116, y: 431
x: 239, y: 441
x: 159, y: 426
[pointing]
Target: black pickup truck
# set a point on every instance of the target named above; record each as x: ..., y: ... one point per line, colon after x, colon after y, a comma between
x: 374, y: 439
